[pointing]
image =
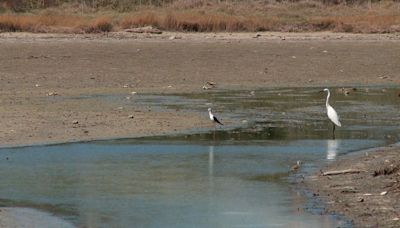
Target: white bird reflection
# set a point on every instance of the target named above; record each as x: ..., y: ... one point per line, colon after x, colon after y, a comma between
x: 332, y: 147
x: 210, y: 161
x: 210, y: 173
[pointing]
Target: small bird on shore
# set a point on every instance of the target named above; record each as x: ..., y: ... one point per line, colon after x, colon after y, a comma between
x: 213, y: 118
x: 296, y: 167
x: 332, y: 114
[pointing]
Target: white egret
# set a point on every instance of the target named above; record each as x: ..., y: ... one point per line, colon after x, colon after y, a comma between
x: 332, y: 114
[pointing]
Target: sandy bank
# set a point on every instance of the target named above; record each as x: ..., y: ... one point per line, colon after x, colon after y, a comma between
x: 26, y: 217
x: 40, y: 72
x: 370, y: 198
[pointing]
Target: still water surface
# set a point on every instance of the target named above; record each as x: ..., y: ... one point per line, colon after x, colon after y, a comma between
x: 233, y: 178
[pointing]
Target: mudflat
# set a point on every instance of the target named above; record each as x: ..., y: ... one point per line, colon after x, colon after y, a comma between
x: 41, y: 72
x: 365, y: 189
x: 35, y: 68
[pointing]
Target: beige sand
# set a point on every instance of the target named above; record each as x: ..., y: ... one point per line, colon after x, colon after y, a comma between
x: 26, y: 217
x: 369, y: 198
x: 36, y: 65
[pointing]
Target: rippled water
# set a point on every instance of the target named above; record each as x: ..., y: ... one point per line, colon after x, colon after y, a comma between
x: 228, y: 178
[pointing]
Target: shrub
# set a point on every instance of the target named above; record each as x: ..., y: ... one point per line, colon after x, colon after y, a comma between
x: 103, y: 24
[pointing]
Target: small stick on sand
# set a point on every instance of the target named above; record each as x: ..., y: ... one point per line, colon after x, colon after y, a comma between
x: 338, y: 172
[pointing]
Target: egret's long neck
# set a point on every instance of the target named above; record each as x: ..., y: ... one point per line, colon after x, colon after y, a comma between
x: 327, y: 98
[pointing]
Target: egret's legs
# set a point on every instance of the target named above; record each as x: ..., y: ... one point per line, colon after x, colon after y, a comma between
x: 333, y: 131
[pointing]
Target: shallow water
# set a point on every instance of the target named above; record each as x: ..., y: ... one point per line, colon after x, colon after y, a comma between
x: 233, y: 178
x: 294, y: 113
x: 169, y: 185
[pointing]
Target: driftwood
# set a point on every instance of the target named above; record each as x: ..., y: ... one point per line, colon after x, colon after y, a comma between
x: 338, y: 172
x: 209, y: 85
x: 147, y: 29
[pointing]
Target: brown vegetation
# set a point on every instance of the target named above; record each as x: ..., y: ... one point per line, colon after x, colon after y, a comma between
x: 200, y: 15
x: 54, y: 23
x: 199, y: 21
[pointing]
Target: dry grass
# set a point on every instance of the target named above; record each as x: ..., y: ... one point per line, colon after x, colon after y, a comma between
x: 359, y: 24
x: 211, y: 16
x: 54, y: 23
x: 100, y: 24
x: 141, y: 19
x: 198, y: 22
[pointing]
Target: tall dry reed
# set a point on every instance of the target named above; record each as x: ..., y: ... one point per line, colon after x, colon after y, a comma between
x: 214, y: 16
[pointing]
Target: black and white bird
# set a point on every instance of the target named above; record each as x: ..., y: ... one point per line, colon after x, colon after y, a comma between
x: 213, y: 118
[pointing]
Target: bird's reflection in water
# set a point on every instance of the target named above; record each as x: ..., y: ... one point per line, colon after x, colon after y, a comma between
x: 210, y: 161
x: 332, y: 149
x: 211, y: 175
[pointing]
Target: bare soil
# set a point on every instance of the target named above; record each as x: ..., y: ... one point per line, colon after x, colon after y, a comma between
x: 34, y: 66
x: 369, y: 198
x: 38, y: 69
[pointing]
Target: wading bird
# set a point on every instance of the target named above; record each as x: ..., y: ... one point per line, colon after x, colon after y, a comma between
x: 332, y: 115
x: 296, y: 167
x: 213, y: 118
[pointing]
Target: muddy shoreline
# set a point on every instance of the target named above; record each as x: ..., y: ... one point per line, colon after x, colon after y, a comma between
x: 369, y: 197
x: 41, y: 72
